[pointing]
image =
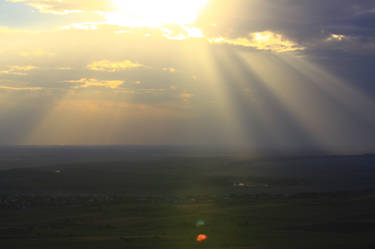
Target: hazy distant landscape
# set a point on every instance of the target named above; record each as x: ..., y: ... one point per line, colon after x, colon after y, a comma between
x: 187, y: 124
x: 146, y: 197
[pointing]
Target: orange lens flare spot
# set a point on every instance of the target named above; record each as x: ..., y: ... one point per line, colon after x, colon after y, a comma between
x: 201, y: 237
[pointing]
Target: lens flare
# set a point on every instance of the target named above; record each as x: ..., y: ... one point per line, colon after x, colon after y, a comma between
x: 201, y: 238
x: 200, y: 223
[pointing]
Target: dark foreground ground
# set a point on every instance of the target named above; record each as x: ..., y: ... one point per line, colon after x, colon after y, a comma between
x: 166, y: 202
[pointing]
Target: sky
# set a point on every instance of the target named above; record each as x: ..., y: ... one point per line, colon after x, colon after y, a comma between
x: 284, y: 75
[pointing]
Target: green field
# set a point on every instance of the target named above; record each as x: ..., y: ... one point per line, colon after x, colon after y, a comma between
x: 296, y: 222
x: 280, y: 203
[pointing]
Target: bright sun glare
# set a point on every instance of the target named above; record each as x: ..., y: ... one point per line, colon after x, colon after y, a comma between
x: 153, y: 13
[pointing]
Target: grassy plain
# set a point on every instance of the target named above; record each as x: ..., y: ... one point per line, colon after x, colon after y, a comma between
x: 278, y: 203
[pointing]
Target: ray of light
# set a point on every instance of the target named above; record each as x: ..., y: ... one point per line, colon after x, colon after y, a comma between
x: 268, y: 124
x: 222, y: 101
x: 93, y: 118
x: 341, y: 91
x: 326, y: 117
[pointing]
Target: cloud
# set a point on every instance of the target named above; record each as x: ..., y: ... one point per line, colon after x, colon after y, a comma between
x: 20, y: 88
x: 84, y: 82
x: 336, y: 37
x: 303, y: 21
x: 17, y: 70
x: 266, y: 40
x: 221, y: 92
x: 113, y: 66
x: 279, y: 111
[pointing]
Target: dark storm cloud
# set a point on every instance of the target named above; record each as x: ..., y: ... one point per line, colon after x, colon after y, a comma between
x: 301, y: 20
x: 338, y: 35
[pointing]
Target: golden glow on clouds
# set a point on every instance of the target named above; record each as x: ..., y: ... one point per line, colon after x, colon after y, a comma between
x: 17, y: 70
x: 83, y: 92
x: 193, y: 83
x: 173, y: 19
x: 152, y: 13
x: 266, y: 40
x: 20, y: 88
x: 113, y: 66
x: 336, y: 37
x: 84, y: 82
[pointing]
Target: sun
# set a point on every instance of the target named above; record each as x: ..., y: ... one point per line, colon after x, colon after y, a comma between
x: 154, y: 13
